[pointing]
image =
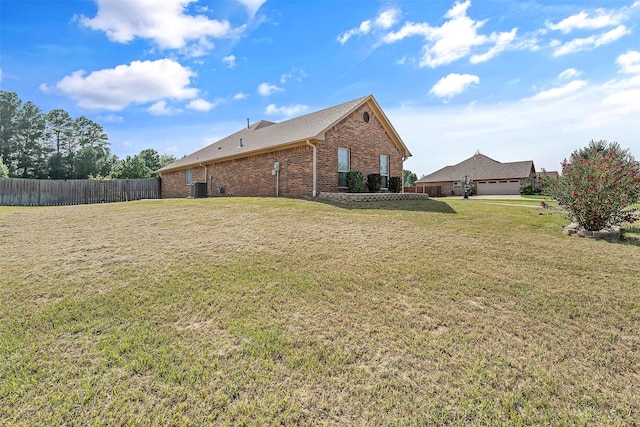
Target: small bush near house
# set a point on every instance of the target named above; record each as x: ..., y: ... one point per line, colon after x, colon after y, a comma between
x: 355, y: 182
x: 527, y: 189
x: 395, y: 184
x: 374, y: 182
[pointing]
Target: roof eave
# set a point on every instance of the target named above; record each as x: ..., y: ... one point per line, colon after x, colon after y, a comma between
x: 254, y: 152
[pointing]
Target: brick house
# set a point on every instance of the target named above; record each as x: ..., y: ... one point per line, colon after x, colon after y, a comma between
x: 485, y: 175
x: 302, y: 156
x: 541, y: 179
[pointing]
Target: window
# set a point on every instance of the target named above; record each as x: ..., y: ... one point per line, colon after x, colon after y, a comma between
x: 457, y: 185
x: 343, y: 166
x: 188, y: 177
x: 384, y: 171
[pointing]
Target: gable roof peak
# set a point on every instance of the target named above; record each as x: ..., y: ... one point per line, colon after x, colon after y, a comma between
x: 480, y: 156
x: 260, y: 124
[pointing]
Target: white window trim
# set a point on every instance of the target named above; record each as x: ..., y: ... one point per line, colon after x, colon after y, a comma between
x: 348, y: 165
x: 188, y: 176
x: 386, y: 157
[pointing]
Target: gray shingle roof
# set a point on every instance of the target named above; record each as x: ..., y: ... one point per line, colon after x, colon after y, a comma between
x: 480, y: 167
x: 265, y: 135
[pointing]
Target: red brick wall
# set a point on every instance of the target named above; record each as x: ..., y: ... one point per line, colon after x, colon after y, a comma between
x: 174, y: 184
x: 252, y: 176
x: 365, y: 141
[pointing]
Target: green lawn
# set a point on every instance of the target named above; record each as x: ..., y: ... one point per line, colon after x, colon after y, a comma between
x: 251, y: 311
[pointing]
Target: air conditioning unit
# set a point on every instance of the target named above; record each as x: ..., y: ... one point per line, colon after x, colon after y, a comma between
x: 198, y: 190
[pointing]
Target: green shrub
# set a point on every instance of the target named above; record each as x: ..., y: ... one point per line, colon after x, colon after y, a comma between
x: 395, y: 184
x: 374, y: 182
x: 598, y: 185
x: 527, y: 189
x: 355, y: 182
x: 4, y: 170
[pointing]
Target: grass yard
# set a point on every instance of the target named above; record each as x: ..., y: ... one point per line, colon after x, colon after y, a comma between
x: 250, y: 311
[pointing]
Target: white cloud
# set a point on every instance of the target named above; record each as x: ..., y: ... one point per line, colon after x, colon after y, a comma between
x: 580, y: 44
x: 623, y: 94
x: 581, y: 21
x: 502, y: 41
x: 238, y: 96
x: 230, y: 61
x: 285, y: 111
x: 164, y: 22
x: 364, y: 28
x: 409, y: 29
x: 629, y: 62
x: 385, y: 20
x: 560, y: 92
x: 201, y: 105
x: 266, y: 89
x: 140, y: 82
x: 453, y: 84
x: 569, y: 73
x: 624, y: 102
x: 160, y: 109
x: 0, y: 74
x: 198, y: 49
x: 296, y: 73
x: 454, y: 39
x: 112, y: 118
x: 620, y: 103
x: 252, y: 6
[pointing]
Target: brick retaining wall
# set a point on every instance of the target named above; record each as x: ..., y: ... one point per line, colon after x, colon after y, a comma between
x: 371, y: 197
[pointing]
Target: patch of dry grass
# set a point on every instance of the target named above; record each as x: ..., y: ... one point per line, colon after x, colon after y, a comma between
x: 278, y: 311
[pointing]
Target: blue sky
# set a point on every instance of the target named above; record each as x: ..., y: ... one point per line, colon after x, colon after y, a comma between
x: 513, y: 79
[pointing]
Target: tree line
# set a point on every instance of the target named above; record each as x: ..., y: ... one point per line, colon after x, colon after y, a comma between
x: 54, y: 145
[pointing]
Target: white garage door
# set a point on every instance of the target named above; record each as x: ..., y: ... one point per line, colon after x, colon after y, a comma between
x: 498, y: 187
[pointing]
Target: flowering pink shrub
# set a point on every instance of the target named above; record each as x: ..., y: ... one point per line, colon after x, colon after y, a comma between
x: 598, y: 185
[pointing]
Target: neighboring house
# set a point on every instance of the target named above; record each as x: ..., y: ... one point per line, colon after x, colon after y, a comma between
x: 541, y: 179
x: 487, y: 176
x: 297, y: 157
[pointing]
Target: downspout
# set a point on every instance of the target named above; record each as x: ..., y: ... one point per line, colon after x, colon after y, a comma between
x: 205, y: 177
x: 315, y: 163
x: 404, y: 159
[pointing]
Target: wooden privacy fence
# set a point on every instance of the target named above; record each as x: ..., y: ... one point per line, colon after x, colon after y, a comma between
x: 37, y: 192
x: 431, y: 190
